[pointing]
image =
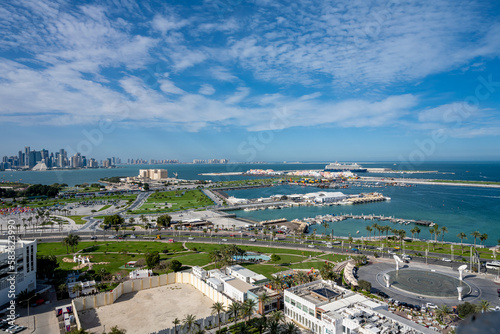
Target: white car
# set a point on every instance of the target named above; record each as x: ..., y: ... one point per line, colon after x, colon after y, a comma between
x: 253, y: 239
x: 311, y: 246
x: 224, y: 239
x: 431, y: 305
x: 445, y: 259
x: 190, y: 238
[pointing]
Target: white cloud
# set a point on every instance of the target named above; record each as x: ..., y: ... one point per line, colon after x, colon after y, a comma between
x: 207, y: 89
x: 448, y: 113
x: 166, y: 24
x: 222, y: 74
x: 168, y: 86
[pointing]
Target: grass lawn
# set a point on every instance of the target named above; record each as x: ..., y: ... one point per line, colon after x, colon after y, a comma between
x: 107, y: 206
x: 266, y: 250
x: 192, y: 259
x: 334, y: 257
x: 263, y: 269
x: 78, y: 219
x: 289, y: 258
x: 179, y: 200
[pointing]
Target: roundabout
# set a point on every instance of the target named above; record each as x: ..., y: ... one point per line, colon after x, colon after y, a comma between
x: 427, y: 283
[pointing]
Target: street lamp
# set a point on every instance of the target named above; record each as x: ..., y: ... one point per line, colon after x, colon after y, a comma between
x: 28, y: 300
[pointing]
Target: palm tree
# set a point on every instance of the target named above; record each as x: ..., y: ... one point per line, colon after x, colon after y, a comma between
x: 462, y: 236
x: 189, y: 322
x: 386, y: 229
x: 291, y: 328
x: 248, y: 307
x: 234, y: 310
x: 217, y: 308
x: 417, y: 230
x: 66, y: 242
x: 369, y: 230
x: 264, y: 298
x: 443, y: 231
x: 77, y: 288
x: 176, y: 323
x: 278, y: 316
x: 476, y: 235
x: 443, y: 311
x: 483, y: 306
x: 483, y: 238
x: 350, y: 240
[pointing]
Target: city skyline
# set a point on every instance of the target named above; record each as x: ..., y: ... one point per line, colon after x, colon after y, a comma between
x: 252, y: 80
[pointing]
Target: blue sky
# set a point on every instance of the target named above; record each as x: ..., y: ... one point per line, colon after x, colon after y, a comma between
x: 252, y: 80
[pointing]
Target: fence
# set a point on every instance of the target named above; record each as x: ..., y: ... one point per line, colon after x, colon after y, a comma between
x: 108, y: 298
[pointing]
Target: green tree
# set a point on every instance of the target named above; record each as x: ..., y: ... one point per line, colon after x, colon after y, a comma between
x: 234, y: 310
x: 116, y: 330
x: 369, y: 230
x: 217, y: 308
x: 444, y: 230
x: 176, y: 322
x: 483, y: 306
x: 462, y: 236
x: 146, y: 186
x: 327, y: 272
x: 275, y: 258
x: 113, y: 220
x: 248, y: 307
x: 483, y: 238
x: 188, y: 322
x: 175, y: 265
x: 264, y: 299
x: 442, y: 312
x: 466, y: 309
x: 164, y: 220
x: 291, y: 328
x: 365, y: 285
x: 476, y: 235
x: 46, y: 265
x: 152, y: 259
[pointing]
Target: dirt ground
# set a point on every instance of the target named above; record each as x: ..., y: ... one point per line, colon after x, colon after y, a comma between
x: 149, y: 310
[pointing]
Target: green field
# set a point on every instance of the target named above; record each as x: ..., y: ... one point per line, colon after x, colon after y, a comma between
x: 176, y: 200
x: 107, y: 206
x: 78, y: 219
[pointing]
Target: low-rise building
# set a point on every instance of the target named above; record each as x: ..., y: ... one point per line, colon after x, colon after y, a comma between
x: 267, y: 300
x: 245, y: 274
x: 325, y: 308
x: 199, y: 272
x: 325, y: 197
x: 140, y: 273
x: 77, y: 289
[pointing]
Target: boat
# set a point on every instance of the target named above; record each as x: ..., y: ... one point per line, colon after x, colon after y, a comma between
x: 338, y: 167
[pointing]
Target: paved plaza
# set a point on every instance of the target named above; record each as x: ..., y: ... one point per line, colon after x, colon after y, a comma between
x: 418, y: 283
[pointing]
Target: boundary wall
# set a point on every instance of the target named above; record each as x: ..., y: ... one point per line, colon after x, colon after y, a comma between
x: 108, y: 298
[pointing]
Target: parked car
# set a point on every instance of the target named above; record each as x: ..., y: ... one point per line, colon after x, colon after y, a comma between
x: 383, y: 294
x: 311, y: 246
x: 445, y: 259
x: 190, y: 238
x: 431, y: 305
x: 224, y: 239
x: 93, y: 237
x: 253, y: 239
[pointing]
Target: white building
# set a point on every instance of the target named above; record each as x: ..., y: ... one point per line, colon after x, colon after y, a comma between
x: 140, y: 273
x: 237, y: 289
x: 235, y: 201
x: 24, y: 277
x: 216, y: 283
x: 325, y: 308
x: 199, y: 272
x: 325, y: 197
x: 86, y: 288
x: 245, y: 274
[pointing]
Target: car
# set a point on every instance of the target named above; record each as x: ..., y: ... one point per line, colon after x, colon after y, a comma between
x: 190, y: 238
x: 253, y: 239
x: 445, y: 259
x: 311, y: 246
x: 383, y: 294
x: 112, y: 237
x: 416, y: 307
x: 93, y: 237
x: 224, y: 239
x: 431, y: 305
x: 133, y: 236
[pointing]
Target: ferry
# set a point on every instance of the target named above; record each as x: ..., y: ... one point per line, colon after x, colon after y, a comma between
x: 338, y: 167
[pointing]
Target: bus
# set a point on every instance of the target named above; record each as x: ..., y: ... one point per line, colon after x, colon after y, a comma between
x: 493, y: 265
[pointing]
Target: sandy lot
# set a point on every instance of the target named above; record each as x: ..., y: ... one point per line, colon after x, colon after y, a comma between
x: 149, y: 310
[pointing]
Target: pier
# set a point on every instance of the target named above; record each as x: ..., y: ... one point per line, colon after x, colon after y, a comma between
x: 336, y: 218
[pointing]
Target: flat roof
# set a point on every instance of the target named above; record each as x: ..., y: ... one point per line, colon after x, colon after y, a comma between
x: 244, y: 271
x: 239, y: 285
x: 339, y: 304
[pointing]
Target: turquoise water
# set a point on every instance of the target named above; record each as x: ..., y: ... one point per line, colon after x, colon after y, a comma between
x: 460, y: 209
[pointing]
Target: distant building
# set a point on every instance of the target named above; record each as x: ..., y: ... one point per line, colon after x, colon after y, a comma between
x: 25, y: 267
x: 77, y: 289
x: 140, y: 273
x: 325, y: 197
x: 245, y: 274
x: 153, y: 174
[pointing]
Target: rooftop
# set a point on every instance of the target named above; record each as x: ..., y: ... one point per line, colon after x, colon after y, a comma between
x: 318, y: 292
x: 239, y: 285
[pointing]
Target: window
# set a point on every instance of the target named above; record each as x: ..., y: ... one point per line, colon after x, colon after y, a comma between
x: 287, y: 299
x: 304, y: 308
x: 292, y: 302
x: 311, y: 312
x: 299, y: 305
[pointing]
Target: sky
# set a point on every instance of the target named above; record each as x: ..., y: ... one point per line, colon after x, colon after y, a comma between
x: 255, y: 80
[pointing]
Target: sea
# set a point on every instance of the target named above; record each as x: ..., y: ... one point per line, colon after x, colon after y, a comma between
x: 459, y: 208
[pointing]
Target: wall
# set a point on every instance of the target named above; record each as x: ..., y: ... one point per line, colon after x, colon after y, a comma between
x: 108, y: 298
